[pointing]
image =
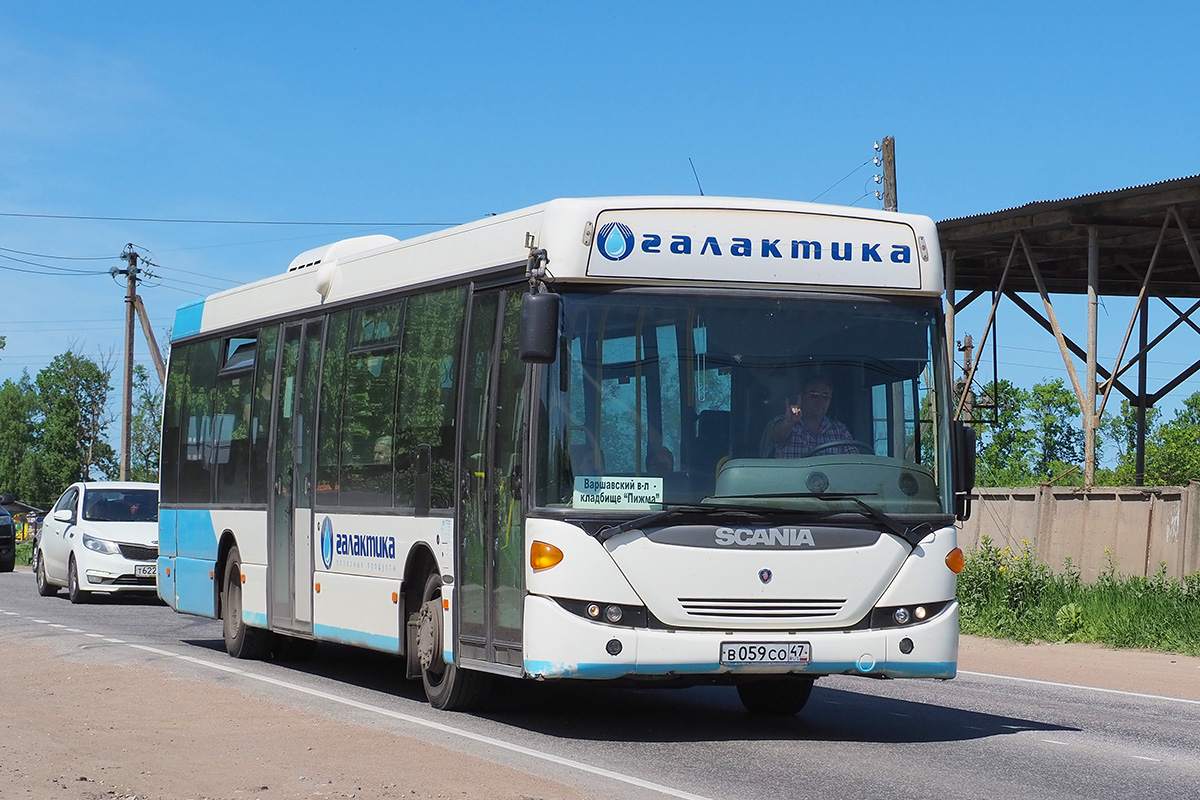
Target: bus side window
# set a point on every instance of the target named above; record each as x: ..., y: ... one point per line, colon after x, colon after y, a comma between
x: 426, y: 402
x: 195, y: 472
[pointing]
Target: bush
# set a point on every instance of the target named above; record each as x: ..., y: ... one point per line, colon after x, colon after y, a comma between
x: 1009, y: 594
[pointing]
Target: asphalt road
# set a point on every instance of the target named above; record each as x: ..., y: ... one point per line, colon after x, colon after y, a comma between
x: 975, y: 736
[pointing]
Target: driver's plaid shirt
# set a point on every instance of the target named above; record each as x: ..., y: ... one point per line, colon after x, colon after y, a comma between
x: 802, y: 441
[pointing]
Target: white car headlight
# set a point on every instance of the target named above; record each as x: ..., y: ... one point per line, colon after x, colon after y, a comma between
x: 100, y: 545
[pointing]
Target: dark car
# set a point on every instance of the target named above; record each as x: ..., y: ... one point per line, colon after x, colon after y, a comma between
x: 8, y: 538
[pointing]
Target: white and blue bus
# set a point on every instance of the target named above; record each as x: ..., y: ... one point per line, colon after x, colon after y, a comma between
x: 557, y: 444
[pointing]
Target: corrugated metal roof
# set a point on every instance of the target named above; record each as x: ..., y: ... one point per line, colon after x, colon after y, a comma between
x: 1094, y: 197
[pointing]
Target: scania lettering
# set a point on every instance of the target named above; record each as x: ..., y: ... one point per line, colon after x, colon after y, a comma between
x: 542, y: 446
x: 747, y: 537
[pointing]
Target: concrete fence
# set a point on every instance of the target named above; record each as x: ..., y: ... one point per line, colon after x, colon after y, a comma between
x: 1139, y: 526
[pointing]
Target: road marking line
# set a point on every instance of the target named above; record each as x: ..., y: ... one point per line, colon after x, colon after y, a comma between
x: 1079, y: 686
x: 1053, y: 741
x: 437, y: 726
x: 1147, y: 758
x: 114, y: 641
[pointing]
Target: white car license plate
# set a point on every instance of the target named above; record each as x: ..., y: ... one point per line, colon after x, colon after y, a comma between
x: 145, y: 569
x: 772, y: 653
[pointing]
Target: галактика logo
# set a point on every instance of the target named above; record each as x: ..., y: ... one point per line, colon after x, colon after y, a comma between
x: 615, y: 241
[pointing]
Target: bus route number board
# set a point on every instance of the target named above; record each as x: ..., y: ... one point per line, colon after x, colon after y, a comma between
x: 738, y: 654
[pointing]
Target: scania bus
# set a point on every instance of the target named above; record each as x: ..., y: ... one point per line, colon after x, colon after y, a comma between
x: 542, y: 446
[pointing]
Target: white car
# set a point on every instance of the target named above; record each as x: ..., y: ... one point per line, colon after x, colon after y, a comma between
x: 100, y: 537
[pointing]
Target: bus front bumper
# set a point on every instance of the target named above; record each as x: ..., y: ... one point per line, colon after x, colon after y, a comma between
x: 559, y: 644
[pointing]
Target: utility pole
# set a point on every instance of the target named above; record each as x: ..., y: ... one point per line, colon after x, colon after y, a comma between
x: 889, y: 173
x: 134, y: 305
x: 130, y: 257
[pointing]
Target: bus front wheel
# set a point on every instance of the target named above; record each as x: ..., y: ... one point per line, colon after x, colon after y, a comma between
x: 447, y: 686
x: 775, y: 696
x: 241, y: 640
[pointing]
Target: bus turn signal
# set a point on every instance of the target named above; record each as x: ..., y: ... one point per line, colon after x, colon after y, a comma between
x: 955, y: 561
x: 544, y: 556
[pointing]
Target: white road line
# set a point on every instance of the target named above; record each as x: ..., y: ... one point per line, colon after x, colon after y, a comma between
x: 437, y: 726
x: 1079, y: 686
x: 1147, y: 758
x: 1052, y: 741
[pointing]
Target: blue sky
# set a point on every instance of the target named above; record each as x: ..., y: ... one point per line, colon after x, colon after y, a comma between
x: 446, y: 112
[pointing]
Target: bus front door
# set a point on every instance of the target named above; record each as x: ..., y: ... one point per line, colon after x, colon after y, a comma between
x: 290, y: 550
x: 490, y: 556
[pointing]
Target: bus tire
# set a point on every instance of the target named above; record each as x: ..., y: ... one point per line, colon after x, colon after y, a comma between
x: 447, y: 687
x: 775, y: 696
x: 241, y: 640
x: 45, y: 587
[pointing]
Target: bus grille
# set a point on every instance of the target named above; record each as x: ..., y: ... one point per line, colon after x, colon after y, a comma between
x: 138, y: 552
x: 761, y: 609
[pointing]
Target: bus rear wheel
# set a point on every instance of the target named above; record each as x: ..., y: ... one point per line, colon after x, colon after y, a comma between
x: 775, y: 696
x: 241, y: 640
x: 447, y: 686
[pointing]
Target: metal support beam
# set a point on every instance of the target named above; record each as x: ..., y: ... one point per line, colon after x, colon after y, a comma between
x: 1036, y: 316
x: 1056, y: 329
x: 1139, y: 478
x: 1090, y: 421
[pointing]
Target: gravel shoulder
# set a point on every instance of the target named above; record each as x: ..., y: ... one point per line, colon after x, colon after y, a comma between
x: 87, y: 730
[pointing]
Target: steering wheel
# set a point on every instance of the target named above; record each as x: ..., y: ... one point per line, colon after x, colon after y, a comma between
x: 862, y: 447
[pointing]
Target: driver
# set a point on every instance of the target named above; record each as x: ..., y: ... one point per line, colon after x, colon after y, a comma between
x: 803, y: 426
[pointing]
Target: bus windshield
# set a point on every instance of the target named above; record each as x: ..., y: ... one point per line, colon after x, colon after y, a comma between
x: 772, y: 401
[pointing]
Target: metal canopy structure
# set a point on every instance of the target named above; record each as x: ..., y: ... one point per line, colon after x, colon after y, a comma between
x: 1139, y: 242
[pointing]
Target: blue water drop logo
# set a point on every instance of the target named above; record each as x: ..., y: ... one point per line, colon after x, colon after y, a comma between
x: 615, y: 241
x: 327, y: 542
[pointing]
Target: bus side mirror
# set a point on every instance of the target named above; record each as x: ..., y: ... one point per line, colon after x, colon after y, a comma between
x: 539, y: 327
x: 962, y: 439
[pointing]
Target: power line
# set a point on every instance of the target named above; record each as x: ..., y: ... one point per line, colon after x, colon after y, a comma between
x: 181, y: 221
x: 60, y: 258
x: 46, y: 269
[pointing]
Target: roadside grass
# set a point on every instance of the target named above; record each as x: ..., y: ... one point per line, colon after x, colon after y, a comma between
x: 25, y: 553
x: 1008, y: 594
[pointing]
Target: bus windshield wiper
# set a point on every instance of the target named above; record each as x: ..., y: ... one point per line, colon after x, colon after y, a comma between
x: 606, y: 533
x: 912, y: 535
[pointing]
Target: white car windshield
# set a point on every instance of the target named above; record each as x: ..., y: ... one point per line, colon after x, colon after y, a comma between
x: 121, y: 505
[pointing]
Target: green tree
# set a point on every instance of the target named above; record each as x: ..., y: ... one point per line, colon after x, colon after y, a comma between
x: 16, y: 432
x: 70, y: 420
x: 1005, y: 447
x: 1057, y: 429
x: 1173, y: 455
x: 1120, y: 430
x: 146, y: 423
